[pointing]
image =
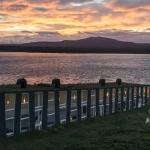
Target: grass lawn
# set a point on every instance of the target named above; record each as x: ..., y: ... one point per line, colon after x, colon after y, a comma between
x: 125, y: 131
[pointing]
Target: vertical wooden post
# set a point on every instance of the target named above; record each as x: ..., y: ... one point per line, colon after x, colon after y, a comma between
x: 79, y: 104
x: 145, y: 95
x: 2, y: 115
x: 89, y: 104
x: 116, y: 101
x: 137, y: 97
x: 127, y: 106
x: 104, y: 101
x: 122, y: 95
x: 141, y: 96
x: 110, y: 101
x: 17, y: 113
x: 68, y: 106
x: 32, y: 110
x: 97, y: 103
x: 57, y: 110
x: 132, y: 98
x: 45, y: 107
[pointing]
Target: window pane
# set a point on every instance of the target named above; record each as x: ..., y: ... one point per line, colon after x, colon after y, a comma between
x: 24, y: 110
x: 51, y: 107
x: 93, y: 98
x: 101, y: 92
x: 25, y: 124
x: 10, y: 101
x: 9, y: 125
x: 51, y: 95
x: 9, y: 114
x: 84, y: 95
x: 51, y: 119
x: 62, y: 97
x: 38, y: 99
x: 73, y: 99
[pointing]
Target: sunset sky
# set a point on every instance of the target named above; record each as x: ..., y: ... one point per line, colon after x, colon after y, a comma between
x: 23, y: 21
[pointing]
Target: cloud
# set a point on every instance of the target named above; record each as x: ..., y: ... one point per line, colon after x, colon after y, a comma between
x: 17, y: 7
x: 38, y: 8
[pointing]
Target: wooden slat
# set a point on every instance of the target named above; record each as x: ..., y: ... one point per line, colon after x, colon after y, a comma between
x: 110, y: 101
x: 97, y: 103
x: 88, y: 104
x: 104, y: 101
x: 68, y: 106
x: 127, y: 106
x: 122, y: 94
x: 57, y: 110
x: 145, y: 95
x: 137, y: 97
x: 32, y: 110
x: 79, y: 104
x: 2, y: 115
x: 132, y: 98
x: 17, y: 113
x: 116, y: 101
x: 45, y: 107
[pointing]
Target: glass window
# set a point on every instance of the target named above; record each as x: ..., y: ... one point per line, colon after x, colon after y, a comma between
x: 51, y: 107
x: 62, y: 97
x: 10, y: 101
x: 38, y: 99
x: 84, y: 95
x: 93, y: 97
x: 9, y: 125
x: 51, y: 96
x: 73, y: 99
x: 25, y: 98
x: 51, y: 119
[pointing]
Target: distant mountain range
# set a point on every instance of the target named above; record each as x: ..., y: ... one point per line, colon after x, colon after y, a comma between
x: 88, y: 45
x: 88, y: 42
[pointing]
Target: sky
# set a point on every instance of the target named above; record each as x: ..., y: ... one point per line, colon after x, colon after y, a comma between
x: 24, y: 21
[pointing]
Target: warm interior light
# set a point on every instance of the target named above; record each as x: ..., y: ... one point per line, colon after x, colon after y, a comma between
x: 8, y: 102
x: 24, y: 100
x: 59, y: 99
x: 74, y: 97
x: 125, y: 92
x: 70, y: 118
x: 107, y: 94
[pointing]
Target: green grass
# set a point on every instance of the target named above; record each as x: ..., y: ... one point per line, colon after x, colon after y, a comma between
x: 124, y: 131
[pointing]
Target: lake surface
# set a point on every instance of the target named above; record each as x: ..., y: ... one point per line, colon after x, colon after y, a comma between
x: 74, y: 68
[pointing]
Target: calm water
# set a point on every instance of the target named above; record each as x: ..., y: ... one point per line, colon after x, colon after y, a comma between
x: 74, y: 68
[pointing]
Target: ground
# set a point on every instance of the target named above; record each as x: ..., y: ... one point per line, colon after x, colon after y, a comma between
x: 122, y: 131
x: 68, y: 86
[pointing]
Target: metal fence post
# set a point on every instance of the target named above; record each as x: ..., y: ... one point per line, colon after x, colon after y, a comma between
x: 104, y: 101
x: 132, y: 98
x: 145, y: 95
x: 32, y: 110
x: 2, y: 115
x: 127, y: 107
x: 89, y: 104
x: 57, y: 111
x: 45, y: 107
x: 79, y: 104
x: 68, y: 106
x: 97, y: 103
x: 110, y: 101
x: 122, y: 95
x: 17, y: 113
x: 137, y: 97
x: 116, y: 101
